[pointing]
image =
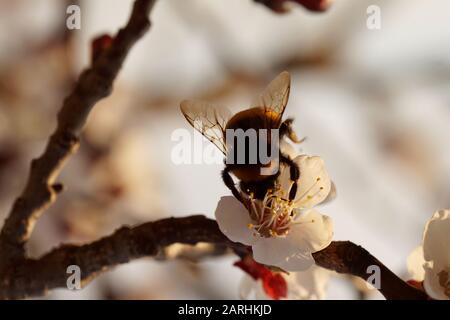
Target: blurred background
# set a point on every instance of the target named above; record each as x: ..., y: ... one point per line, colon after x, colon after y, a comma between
x: 375, y: 104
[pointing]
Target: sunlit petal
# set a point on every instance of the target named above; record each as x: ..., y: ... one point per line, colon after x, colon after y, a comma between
x: 233, y: 220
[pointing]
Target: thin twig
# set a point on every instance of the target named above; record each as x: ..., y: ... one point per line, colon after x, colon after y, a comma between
x: 93, y: 84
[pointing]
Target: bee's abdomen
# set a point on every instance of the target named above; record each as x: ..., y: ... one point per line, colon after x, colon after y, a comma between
x: 257, y: 119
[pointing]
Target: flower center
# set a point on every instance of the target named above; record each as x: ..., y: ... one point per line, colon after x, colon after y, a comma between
x: 444, y: 281
x: 273, y: 216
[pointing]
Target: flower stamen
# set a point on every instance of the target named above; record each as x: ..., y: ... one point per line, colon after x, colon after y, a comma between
x: 308, y: 196
x: 272, y: 215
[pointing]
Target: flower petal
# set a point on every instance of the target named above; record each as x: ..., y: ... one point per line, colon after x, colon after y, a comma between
x: 288, y: 149
x: 312, y: 231
x: 251, y: 289
x: 296, y: 262
x: 314, y: 184
x: 431, y: 283
x: 332, y: 195
x: 233, y: 220
x: 415, y: 264
x: 272, y: 251
x: 280, y: 253
x: 260, y: 294
x: 436, y: 239
x: 310, y: 284
x: 246, y: 287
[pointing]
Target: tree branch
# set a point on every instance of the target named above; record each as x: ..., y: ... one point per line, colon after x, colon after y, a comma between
x: 35, y: 277
x: 93, y: 84
x: 349, y: 258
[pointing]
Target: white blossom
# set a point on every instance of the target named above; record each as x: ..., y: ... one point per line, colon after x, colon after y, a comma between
x: 430, y: 262
x: 283, y: 233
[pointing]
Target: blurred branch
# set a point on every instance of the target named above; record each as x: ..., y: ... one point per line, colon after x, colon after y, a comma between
x: 93, y: 84
x: 192, y: 253
x: 34, y: 277
x: 280, y: 6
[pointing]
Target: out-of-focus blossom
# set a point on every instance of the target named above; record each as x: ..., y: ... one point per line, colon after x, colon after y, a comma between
x: 272, y: 284
x: 281, y: 232
x: 306, y: 285
x: 280, y: 6
x: 415, y: 264
x: 430, y: 262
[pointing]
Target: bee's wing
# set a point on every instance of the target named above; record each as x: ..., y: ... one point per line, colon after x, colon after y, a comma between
x: 207, y: 119
x: 275, y: 98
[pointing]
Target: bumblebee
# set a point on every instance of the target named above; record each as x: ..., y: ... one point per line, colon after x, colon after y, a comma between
x: 266, y: 112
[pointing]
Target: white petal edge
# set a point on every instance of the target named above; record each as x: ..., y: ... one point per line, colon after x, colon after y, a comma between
x: 288, y: 149
x: 332, y: 195
x: 314, y: 184
x: 310, y: 284
x: 246, y: 287
x: 431, y: 283
x: 436, y: 238
x: 415, y: 262
x: 272, y: 251
x: 293, y: 252
x: 260, y: 294
x: 313, y: 231
x: 233, y: 220
x: 297, y: 262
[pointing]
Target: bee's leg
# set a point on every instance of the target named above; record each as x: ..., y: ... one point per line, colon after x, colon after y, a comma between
x: 286, y: 130
x: 294, y: 174
x: 229, y: 182
x: 259, y: 189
